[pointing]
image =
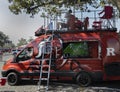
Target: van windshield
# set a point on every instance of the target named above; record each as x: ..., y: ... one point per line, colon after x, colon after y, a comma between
x: 25, y: 54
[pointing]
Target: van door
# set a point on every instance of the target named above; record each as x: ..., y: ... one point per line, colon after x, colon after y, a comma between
x: 27, y: 64
x: 86, y: 54
x: 112, y: 58
x: 82, y: 55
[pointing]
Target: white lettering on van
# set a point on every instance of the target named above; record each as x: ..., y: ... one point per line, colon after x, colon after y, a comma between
x: 110, y: 52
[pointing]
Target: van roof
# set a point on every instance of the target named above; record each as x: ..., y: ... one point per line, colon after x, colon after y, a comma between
x: 67, y: 36
x: 74, y: 31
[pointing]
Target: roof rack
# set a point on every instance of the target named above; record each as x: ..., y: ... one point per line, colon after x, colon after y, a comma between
x: 59, y: 24
x: 43, y: 32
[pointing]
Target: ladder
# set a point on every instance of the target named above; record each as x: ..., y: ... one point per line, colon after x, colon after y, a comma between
x: 45, y: 74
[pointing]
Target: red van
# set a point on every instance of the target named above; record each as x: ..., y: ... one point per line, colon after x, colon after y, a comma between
x: 82, y: 56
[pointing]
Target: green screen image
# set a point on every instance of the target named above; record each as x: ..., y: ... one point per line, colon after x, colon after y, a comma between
x: 76, y: 49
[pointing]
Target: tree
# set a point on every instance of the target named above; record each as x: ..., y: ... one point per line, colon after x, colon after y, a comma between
x: 21, y: 42
x: 3, y: 39
x: 54, y: 6
x: 30, y: 39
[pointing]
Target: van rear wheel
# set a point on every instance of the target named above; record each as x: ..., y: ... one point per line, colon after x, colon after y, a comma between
x: 84, y: 79
x: 12, y: 78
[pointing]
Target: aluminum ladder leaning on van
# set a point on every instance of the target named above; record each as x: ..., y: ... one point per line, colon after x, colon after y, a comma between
x: 45, y: 74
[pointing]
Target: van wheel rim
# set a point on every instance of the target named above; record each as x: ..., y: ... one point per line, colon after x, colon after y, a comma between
x: 84, y: 79
x: 12, y: 79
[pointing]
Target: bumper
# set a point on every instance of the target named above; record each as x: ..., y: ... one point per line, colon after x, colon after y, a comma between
x: 4, y: 73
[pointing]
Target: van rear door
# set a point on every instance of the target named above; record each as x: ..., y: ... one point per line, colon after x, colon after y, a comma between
x: 112, y: 59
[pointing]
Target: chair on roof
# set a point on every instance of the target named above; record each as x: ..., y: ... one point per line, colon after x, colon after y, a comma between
x: 107, y: 16
x: 108, y: 12
x: 97, y: 24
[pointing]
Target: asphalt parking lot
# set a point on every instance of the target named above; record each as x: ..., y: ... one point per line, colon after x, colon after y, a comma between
x: 31, y: 86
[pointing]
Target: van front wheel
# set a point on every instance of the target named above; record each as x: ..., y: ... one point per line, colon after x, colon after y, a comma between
x: 83, y: 79
x: 12, y: 78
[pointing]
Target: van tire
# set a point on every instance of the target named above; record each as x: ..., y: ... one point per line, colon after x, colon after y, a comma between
x: 12, y: 78
x: 84, y: 79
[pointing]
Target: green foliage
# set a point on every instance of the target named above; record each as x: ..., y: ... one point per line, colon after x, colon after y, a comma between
x: 21, y: 42
x: 30, y: 39
x: 50, y: 6
x: 3, y: 39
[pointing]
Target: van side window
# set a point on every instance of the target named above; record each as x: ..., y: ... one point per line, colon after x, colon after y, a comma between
x: 114, y: 43
x: 25, y: 54
x: 83, y: 49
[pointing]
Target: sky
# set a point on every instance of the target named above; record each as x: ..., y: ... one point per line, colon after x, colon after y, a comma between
x: 17, y: 26
x: 21, y: 26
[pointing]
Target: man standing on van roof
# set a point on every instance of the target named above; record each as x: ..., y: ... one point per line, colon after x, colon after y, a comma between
x: 78, y: 24
x: 70, y: 20
x: 86, y: 23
